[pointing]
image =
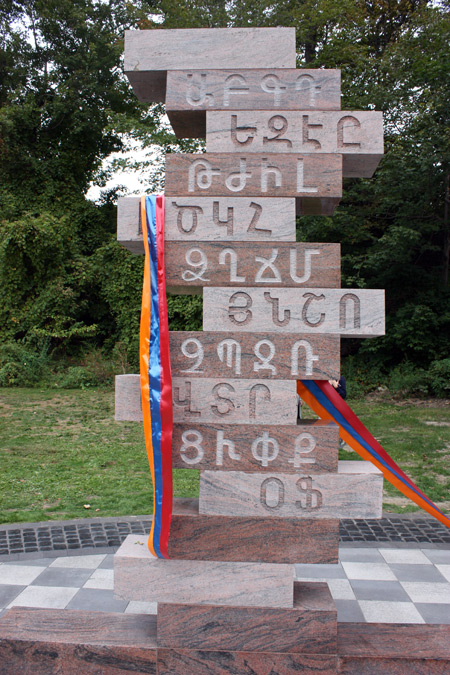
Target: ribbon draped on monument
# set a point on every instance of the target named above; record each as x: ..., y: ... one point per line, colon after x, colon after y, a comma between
x: 156, y: 379
x: 324, y: 400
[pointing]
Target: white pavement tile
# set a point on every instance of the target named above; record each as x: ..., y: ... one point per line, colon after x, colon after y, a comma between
x: 404, y: 556
x: 341, y: 589
x: 136, y: 607
x: 101, y: 578
x: 444, y: 570
x: 427, y: 591
x: 46, y: 597
x: 19, y: 575
x: 369, y: 571
x: 86, y: 562
x: 378, y: 611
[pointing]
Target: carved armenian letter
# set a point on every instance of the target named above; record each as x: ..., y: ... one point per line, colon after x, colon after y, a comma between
x: 254, y: 355
x: 215, y: 400
x: 356, y: 491
x: 254, y: 174
x: 200, y: 264
x: 357, y: 135
x: 309, y: 446
x: 355, y: 312
x: 224, y: 219
x: 191, y: 93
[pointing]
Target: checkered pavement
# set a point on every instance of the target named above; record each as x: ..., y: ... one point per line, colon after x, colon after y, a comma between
x: 372, y: 584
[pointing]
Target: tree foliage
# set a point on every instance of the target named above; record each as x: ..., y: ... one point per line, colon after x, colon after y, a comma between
x: 65, y: 106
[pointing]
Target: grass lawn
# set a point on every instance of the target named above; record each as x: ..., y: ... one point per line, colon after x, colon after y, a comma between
x: 63, y: 455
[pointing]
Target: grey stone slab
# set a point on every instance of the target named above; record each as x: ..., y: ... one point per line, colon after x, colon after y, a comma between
x: 45, y: 597
x: 12, y: 574
x: 437, y: 556
x: 434, y: 613
x: 357, y: 135
x: 38, y: 562
x: 408, y: 572
x: 427, y: 591
x: 349, y: 611
x: 319, y: 572
x: 149, y: 54
x: 382, y: 611
x: 108, y: 563
x: 379, y: 590
x: 207, y: 400
x: 345, y: 494
x: 360, y: 554
x: 97, y: 600
x: 352, y: 313
x: 9, y: 593
x: 54, y: 576
x: 140, y: 576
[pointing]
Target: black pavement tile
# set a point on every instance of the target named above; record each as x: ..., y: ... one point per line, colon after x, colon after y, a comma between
x: 349, y: 610
x: 62, y: 576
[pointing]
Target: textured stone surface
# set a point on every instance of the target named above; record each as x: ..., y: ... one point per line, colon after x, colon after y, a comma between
x: 378, y: 649
x: 256, y: 175
x: 140, y: 576
x: 357, y: 135
x: 76, y: 642
x: 194, y: 536
x: 309, y: 446
x: 225, y: 219
x: 308, y: 626
x: 190, y: 94
x: 210, y: 400
x: 254, y: 355
x: 355, y: 492
x: 198, y: 264
x: 348, y: 312
x: 150, y: 53
x: 202, y: 662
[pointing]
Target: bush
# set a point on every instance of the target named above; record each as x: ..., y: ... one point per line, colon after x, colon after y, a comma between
x: 21, y: 365
x: 439, y: 378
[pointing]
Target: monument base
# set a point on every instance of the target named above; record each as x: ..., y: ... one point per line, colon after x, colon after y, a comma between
x: 72, y: 642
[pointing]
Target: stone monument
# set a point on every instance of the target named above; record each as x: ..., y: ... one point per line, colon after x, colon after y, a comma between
x: 271, y: 487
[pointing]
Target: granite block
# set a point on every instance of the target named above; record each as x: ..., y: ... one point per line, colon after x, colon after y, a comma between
x: 347, y: 312
x: 309, y: 446
x: 71, y: 642
x: 140, y: 576
x: 309, y: 626
x: 254, y: 174
x: 202, y: 662
x: 193, y: 265
x: 149, y: 54
x: 225, y: 219
x: 190, y: 94
x: 194, y: 536
x: 254, y: 355
x: 357, y: 135
x: 210, y: 400
x: 346, y: 494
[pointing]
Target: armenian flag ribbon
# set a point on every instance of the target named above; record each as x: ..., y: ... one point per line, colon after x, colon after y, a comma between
x: 329, y: 405
x: 156, y: 379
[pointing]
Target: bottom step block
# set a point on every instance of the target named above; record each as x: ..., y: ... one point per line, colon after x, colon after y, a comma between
x: 310, y: 626
x: 195, y: 662
x: 140, y: 576
x: 71, y: 642
x: 194, y: 536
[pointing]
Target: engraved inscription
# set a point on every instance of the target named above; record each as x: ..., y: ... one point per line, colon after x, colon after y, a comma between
x: 236, y: 133
x: 265, y: 449
x: 222, y: 444
x: 197, y: 353
x: 305, y: 443
x: 270, y: 171
x: 309, y: 252
x: 239, y: 313
x: 311, y: 297
x: 343, y: 304
x: 185, y: 402
x: 278, y: 126
x: 306, y: 83
x: 196, y: 259
x: 235, y: 85
x: 255, y: 218
x: 264, y: 396
x: 309, y: 357
x: 193, y: 211
x: 311, y: 499
x: 229, y: 222
x: 264, y: 360
x: 201, y: 174
x: 196, y: 94
x: 229, y: 352
x: 301, y: 187
x: 275, y: 302
x: 192, y: 440
x: 272, y: 84
x: 230, y: 253
x: 268, y: 264
x: 225, y: 405
x: 307, y: 140
x: 272, y: 493
x: 343, y: 124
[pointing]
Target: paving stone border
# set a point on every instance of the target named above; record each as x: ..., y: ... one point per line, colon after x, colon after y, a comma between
x: 106, y: 534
